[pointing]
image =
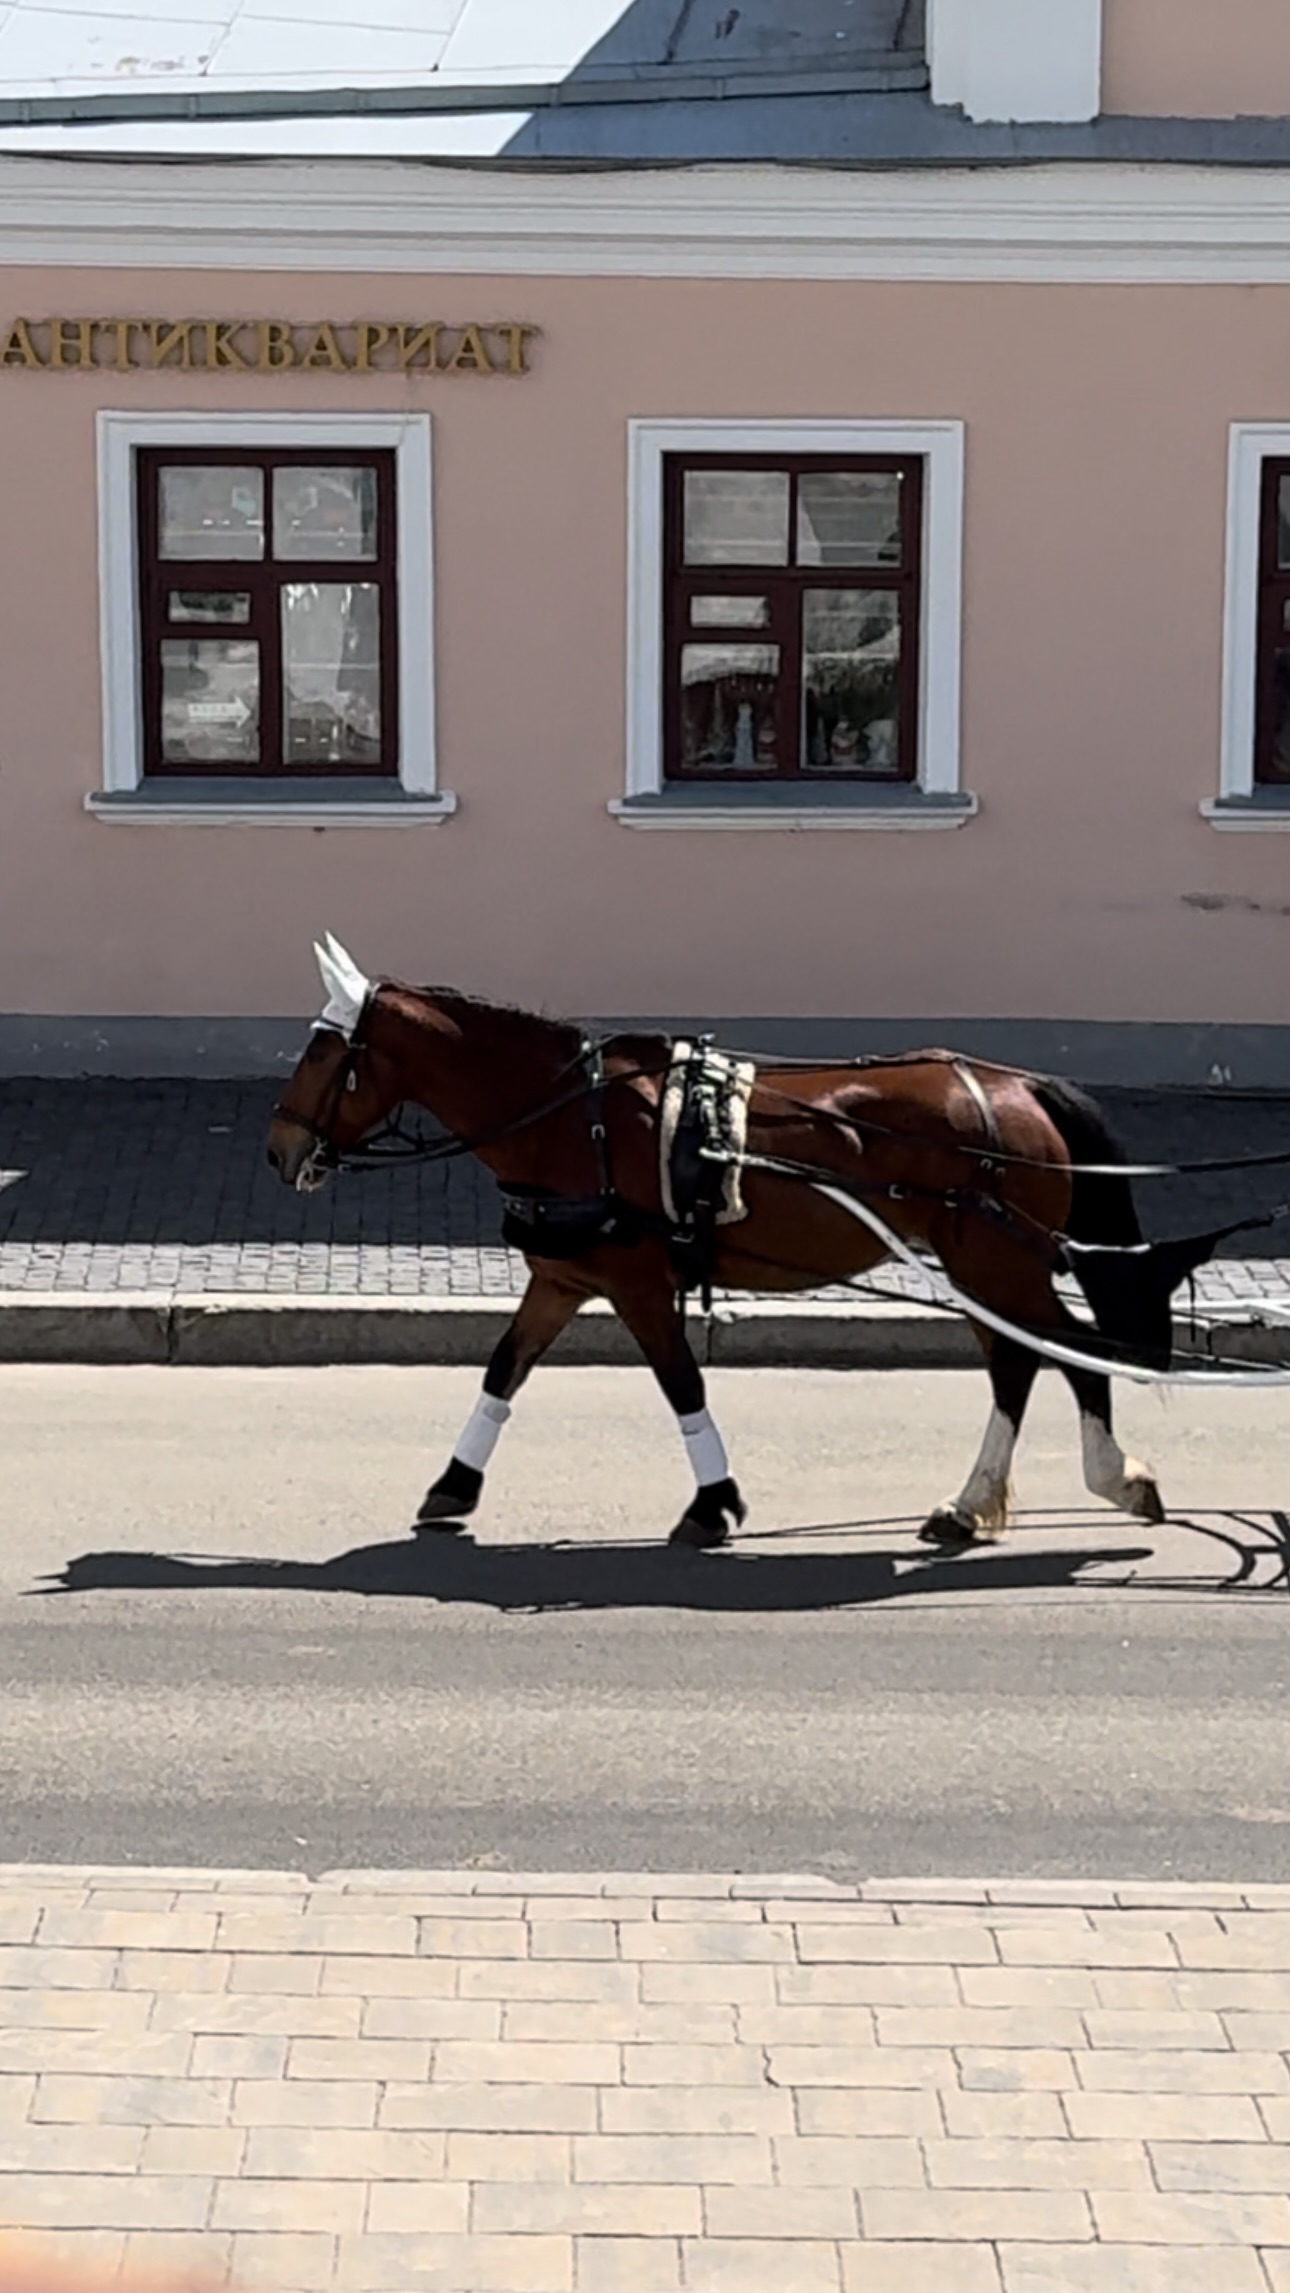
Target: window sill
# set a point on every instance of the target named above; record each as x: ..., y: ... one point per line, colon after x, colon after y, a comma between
x: 794, y: 810
x: 270, y: 804
x: 1265, y: 813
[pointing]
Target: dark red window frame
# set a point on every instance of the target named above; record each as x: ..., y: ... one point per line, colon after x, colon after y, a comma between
x: 1272, y: 733
x: 784, y: 587
x: 262, y: 579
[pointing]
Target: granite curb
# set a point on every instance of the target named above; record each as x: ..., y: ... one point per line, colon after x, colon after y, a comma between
x: 1217, y: 1896
x: 137, y: 1328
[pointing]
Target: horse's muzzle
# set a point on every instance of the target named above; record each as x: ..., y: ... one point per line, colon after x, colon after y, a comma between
x: 299, y: 1159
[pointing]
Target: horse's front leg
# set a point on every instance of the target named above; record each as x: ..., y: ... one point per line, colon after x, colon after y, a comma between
x: 548, y: 1305
x: 647, y: 1301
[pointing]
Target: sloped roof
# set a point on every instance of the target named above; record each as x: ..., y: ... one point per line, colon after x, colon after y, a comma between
x: 443, y: 52
x: 549, y: 83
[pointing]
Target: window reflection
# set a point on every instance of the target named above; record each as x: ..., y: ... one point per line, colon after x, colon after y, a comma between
x: 331, y: 672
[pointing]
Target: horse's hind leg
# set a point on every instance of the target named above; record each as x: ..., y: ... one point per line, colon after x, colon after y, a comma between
x: 545, y: 1308
x: 1014, y: 1283
x: 650, y: 1308
x: 980, y: 1512
x: 1107, y: 1471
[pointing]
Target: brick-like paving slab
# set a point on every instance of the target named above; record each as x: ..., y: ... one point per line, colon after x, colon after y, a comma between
x: 469, y: 2082
x: 162, y: 1186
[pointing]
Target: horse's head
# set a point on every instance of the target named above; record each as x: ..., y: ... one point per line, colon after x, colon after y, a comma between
x: 341, y: 1088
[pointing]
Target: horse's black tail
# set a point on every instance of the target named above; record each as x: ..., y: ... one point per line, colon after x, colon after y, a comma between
x: 1128, y: 1282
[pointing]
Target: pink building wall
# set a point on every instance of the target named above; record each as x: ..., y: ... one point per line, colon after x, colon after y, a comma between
x: 1202, y: 59
x: 1097, y: 422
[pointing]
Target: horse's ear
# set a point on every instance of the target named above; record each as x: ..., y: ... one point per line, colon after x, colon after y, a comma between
x: 347, y: 987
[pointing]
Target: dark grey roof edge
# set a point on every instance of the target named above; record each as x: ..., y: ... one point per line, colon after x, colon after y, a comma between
x: 857, y: 130
x: 882, y: 132
x: 642, y: 84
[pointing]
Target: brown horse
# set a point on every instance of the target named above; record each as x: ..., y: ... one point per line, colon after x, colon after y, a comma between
x: 969, y: 1161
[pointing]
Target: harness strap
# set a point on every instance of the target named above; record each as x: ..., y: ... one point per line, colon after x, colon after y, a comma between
x: 946, y: 1293
x: 591, y: 1058
x: 980, y: 1098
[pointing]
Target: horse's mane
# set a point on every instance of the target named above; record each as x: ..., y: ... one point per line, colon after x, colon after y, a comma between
x: 565, y: 1035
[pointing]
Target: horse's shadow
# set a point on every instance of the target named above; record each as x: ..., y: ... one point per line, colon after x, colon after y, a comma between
x: 751, y: 1578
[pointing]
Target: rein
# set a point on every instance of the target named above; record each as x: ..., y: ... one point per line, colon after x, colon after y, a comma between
x: 1212, y: 1167
x: 391, y: 1145
x: 858, y: 1201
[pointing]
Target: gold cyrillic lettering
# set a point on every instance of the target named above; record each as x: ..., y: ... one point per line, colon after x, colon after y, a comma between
x: 471, y: 354
x: 415, y: 339
x: 518, y: 339
x: 324, y: 350
x: 221, y: 350
x: 369, y: 339
x: 19, y: 349
x: 66, y: 334
x: 274, y: 348
x: 118, y: 332
x: 268, y: 346
x: 166, y: 338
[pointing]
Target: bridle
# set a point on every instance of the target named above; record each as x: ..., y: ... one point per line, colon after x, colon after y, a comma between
x: 392, y: 1143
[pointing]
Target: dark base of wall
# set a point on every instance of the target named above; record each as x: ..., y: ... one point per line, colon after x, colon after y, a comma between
x: 1144, y: 1055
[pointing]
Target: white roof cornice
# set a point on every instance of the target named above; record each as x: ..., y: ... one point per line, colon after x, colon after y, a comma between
x: 1055, y: 222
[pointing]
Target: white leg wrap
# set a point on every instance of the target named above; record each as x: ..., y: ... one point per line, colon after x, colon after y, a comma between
x: 1104, y: 1460
x: 705, y: 1448
x: 986, y: 1493
x: 483, y: 1432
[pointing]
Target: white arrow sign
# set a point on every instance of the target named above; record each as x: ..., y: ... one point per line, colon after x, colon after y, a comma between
x: 219, y: 712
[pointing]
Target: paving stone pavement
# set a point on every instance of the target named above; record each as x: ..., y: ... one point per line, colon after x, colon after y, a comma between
x: 476, y: 2082
x: 162, y: 1186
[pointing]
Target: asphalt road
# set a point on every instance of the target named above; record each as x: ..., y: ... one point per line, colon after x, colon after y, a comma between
x: 219, y: 1645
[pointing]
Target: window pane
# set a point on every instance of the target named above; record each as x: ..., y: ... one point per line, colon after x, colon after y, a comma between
x: 232, y: 605
x: 325, y: 513
x: 210, y: 700
x: 850, y: 681
x: 1283, y: 525
x: 736, y: 517
x: 730, y: 613
x: 728, y: 697
x: 212, y: 511
x: 331, y: 672
x: 1277, y: 767
x: 848, y: 517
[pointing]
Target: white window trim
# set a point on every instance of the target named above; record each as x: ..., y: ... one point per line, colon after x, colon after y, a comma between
x: 941, y: 446
x: 120, y: 436
x: 1250, y: 445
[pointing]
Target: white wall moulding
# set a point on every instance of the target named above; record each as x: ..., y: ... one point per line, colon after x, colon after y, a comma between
x: 806, y: 819
x: 1037, y: 60
x: 320, y: 811
x: 1103, y: 224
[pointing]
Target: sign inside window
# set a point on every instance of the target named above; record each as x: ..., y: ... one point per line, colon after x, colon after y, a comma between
x: 266, y: 346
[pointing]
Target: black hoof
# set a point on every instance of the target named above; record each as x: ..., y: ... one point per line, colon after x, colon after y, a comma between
x: 1145, y: 1503
x: 946, y: 1526
x: 452, y: 1499
x: 707, y: 1523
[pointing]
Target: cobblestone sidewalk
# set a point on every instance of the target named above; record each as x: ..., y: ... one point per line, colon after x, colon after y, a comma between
x: 476, y: 2083
x: 162, y: 1186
